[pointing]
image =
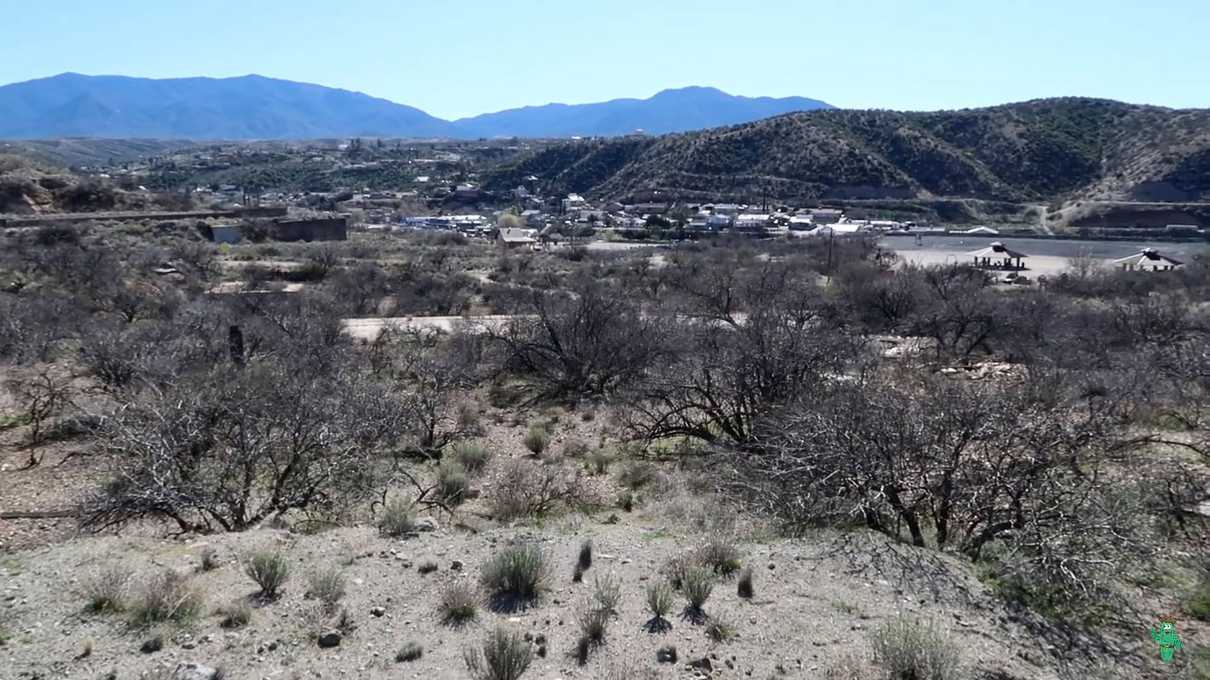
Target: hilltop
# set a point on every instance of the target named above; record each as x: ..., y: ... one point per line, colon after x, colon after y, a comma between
x: 1036, y: 151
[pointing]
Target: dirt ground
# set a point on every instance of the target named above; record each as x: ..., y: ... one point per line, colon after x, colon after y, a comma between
x: 817, y: 599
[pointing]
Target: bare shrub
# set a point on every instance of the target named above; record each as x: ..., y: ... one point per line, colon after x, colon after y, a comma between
x: 527, y: 489
x: 107, y: 590
x: 459, y: 604
x: 268, y: 569
x: 909, y: 648
x: 504, y: 655
x: 165, y: 597
x: 232, y: 448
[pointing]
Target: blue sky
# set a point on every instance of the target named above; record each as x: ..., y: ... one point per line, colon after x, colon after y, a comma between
x: 472, y: 56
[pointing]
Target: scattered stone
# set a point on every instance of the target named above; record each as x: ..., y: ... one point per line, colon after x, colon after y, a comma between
x: 456, y: 565
x: 153, y: 645
x: 378, y: 612
x: 666, y: 654
x: 702, y: 664
x: 330, y: 639
x: 427, y: 568
x: 195, y: 671
x: 427, y: 524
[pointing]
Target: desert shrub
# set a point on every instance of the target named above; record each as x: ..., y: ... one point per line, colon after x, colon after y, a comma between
x: 593, y: 623
x: 599, y: 460
x: 659, y: 600
x: 473, y: 456
x: 744, y: 588
x: 398, y: 518
x: 527, y: 489
x: 1199, y: 603
x: 537, y: 439
x: 518, y: 572
x: 636, y: 474
x: 167, y: 596
x: 327, y: 586
x: 410, y: 651
x: 911, y: 649
x: 720, y: 556
x: 106, y: 591
x: 319, y: 423
x: 607, y: 593
x: 696, y: 585
x: 584, y: 560
x: 459, y: 604
x: 268, y: 569
x: 504, y: 655
x: 210, y: 559
x: 720, y: 629
x: 575, y: 448
x: 452, y: 482
x: 235, y: 615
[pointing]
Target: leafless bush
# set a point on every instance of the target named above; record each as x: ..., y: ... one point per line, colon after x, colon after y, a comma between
x: 233, y: 448
x: 528, y: 489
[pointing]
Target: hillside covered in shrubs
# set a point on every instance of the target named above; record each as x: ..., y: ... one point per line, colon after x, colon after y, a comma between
x: 1037, y: 151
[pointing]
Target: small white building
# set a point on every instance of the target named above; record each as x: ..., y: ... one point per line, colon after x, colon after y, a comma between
x: 574, y: 202
x: 752, y: 221
x: 1149, y: 260
x: 518, y: 238
x: 826, y: 215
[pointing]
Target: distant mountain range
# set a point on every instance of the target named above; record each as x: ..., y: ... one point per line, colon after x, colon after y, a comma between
x: 1034, y: 152
x: 255, y: 107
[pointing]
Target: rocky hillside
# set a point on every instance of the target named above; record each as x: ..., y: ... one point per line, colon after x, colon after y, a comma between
x: 1038, y: 151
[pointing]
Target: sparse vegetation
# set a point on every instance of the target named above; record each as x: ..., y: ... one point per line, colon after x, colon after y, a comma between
x: 518, y: 573
x: 504, y: 655
x: 537, y: 438
x: 908, y: 648
x: 398, y: 518
x: 721, y: 557
x: 209, y: 560
x: 744, y: 587
x: 607, y: 593
x: 472, y: 455
x: 107, y: 591
x: 459, y: 604
x: 526, y: 489
x: 237, y: 614
x: 411, y: 651
x: 696, y: 584
x: 327, y: 586
x: 163, y: 598
x: 720, y: 629
x: 452, y: 482
x: 269, y: 569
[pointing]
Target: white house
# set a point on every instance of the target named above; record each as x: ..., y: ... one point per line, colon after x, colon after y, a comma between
x: 574, y: 202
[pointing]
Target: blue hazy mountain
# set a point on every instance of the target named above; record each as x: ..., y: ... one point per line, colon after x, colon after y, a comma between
x: 255, y: 107
x: 680, y: 110
x: 249, y: 107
